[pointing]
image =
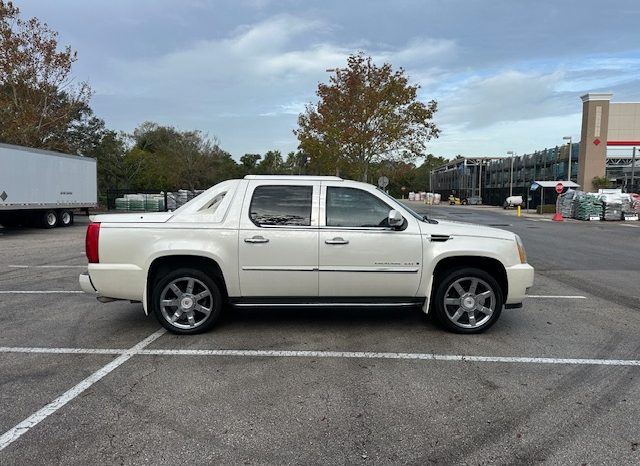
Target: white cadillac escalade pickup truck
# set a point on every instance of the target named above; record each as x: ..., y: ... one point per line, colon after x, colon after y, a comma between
x: 274, y: 241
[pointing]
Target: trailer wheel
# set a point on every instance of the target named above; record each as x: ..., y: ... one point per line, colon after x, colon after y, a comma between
x: 66, y: 218
x: 49, y: 219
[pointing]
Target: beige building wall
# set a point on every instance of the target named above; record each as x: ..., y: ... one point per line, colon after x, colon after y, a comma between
x: 593, y: 140
x: 624, y: 122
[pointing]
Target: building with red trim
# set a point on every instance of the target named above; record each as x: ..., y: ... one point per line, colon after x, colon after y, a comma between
x: 610, y: 131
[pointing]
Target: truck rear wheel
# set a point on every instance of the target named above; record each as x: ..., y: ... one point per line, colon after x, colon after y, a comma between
x: 49, y: 219
x: 186, y: 301
x: 468, y: 300
x: 66, y: 218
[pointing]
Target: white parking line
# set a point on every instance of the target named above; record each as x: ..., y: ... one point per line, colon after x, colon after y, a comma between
x: 47, y: 266
x: 22, y: 428
x: 410, y: 356
x: 40, y: 292
x: 539, y: 296
x: 20, y: 349
x: 327, y: 354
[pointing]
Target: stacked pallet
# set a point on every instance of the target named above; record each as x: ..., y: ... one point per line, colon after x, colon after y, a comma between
x: 587, y: 206
x: 567, y: 206
x: 612, y: 210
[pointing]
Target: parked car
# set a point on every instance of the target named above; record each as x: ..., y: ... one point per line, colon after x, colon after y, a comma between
x: 318, y: 242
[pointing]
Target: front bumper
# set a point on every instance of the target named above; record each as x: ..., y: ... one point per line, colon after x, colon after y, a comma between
x: 85, y: 283
x: 519, y: 278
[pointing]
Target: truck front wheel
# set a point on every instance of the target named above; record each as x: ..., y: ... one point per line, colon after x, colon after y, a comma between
x: 186, y: 301
x: 467, y: 300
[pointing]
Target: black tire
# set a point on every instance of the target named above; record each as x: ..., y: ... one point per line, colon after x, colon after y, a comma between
x: 66, y: 218
x: 49, y: 219
x: 186, y: 302
x: 446, y: 312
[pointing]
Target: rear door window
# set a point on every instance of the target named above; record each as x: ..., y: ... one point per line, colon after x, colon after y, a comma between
x: 273, y: 205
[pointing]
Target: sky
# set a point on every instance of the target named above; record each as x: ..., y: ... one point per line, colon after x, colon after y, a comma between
x: 507, y: 74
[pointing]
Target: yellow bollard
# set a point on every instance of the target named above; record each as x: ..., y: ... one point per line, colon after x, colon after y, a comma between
x: 518, y: 211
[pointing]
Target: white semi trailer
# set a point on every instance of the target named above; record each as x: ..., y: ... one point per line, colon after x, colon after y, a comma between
x: 43, y: 188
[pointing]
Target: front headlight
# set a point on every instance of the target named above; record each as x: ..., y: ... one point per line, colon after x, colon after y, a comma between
x: 521, y: 253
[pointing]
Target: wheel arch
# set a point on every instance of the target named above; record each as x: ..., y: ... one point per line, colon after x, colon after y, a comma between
x: 165, y: 263
x: 489, y: 264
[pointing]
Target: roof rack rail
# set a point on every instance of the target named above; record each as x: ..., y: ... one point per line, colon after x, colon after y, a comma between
x: 293, y: 177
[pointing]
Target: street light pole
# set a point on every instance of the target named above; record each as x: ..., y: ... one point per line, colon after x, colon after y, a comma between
x: 480, y: 179
x: 568, y: 138
x: 633, y: 169
x: 513, y: 155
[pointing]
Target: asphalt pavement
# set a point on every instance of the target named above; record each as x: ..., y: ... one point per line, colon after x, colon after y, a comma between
x: 557, y: 382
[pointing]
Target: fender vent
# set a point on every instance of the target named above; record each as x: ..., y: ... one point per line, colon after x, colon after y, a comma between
x: 439, y: 238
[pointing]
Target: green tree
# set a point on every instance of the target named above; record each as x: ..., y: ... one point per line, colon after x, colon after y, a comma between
x: 271, y: 164
x: 366, y: 114
x: 249, y: 163
x: 296, y: 163
x: 165, y: 157
x: 224, y: 167
x: 38, y: 101
x: 601, y: 182
x: 422, y: 175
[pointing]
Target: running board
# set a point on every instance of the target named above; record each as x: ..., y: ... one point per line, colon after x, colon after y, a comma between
x: 304, y: 302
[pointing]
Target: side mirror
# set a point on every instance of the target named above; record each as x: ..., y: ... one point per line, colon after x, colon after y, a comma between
x: 395, y: 219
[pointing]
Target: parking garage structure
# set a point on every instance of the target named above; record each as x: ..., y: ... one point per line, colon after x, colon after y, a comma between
x: 609, y: 147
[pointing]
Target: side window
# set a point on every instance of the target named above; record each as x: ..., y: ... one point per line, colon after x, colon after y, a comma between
x: 352, y: 207
x: 212, y: 206
x: 281, y: 205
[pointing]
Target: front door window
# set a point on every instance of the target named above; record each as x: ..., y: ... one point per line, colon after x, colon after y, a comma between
x: 355, y: 208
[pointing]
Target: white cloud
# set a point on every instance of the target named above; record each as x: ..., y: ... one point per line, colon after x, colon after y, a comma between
x: 506, y: 96
x: 218, y: 66
x: 523, y: 136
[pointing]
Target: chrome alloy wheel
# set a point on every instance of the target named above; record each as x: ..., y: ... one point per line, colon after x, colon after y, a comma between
x: 469, y: 302
x: 186, y: 303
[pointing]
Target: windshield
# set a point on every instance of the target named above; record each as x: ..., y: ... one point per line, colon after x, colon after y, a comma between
x: 414, y: 214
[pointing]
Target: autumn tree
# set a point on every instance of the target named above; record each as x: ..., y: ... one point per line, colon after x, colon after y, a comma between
x: 38, y: 98
x: 366, y: 114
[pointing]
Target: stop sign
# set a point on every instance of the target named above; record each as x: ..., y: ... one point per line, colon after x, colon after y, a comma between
x: 559, y: 188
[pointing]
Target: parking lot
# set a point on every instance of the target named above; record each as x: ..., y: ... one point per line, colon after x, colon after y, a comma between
x: 556, y: 382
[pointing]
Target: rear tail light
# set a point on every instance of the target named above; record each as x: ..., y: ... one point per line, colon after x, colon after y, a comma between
x: 91, y: 243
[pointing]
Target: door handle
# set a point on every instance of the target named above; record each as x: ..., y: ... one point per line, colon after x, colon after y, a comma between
x: 256, y: 239
x: 337, y: 240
